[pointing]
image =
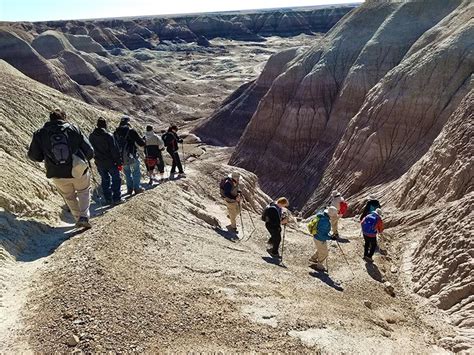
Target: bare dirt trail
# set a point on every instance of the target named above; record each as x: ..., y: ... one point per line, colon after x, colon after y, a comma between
x: 160, y: 273
x: 18, y: 277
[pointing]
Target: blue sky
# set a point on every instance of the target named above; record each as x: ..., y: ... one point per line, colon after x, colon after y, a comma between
x: 40, y: 10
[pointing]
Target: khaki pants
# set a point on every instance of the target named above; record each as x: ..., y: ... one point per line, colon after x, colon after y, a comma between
x: 334, y: 224
x: 76, y: 193
x: 321, y: 251
x: 233, y: 209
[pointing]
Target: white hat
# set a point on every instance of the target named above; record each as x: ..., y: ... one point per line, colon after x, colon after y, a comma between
x: 335, y: 193
x: 331, y: 211
x: 379, y: 211
x: 235, y: 175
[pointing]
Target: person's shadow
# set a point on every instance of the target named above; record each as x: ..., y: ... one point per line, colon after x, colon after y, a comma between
x: 374, y: 271
x: 273, y: 261
x: 324, y: 277
x: 230, y: 236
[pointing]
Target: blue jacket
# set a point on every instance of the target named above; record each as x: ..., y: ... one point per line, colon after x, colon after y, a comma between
x: 324, y: 227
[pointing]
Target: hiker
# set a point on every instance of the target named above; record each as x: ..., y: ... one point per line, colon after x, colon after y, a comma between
x: 153, y: 157
x: 65, y: 152
x: 371, y: 225
x: 108, y: 161
x: 171, y: 140
x: 340, y: 204
x: 230, y: 191
x: 127, y: 140
x: 320, y: 227
x: 371, y: 205
x: 274, y: 216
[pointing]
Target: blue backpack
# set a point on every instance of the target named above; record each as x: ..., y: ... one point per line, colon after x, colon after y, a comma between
x: 368, y: 224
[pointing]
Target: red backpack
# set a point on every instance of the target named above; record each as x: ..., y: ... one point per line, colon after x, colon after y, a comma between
x: 343, y: 207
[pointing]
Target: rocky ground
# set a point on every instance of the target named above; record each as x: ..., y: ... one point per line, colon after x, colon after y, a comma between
x: 161, y: 273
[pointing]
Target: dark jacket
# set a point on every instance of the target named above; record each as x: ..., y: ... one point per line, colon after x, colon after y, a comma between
x: 171, y: 141
x: 40, y: 147
x: 369, y: 207
x: 133, y: 139
x: 272, y: 215
x: 106, y: 151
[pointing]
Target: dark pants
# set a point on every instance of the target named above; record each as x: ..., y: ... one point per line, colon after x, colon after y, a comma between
x: 370, y: 245
x: 176, y: 163
x: 110, y: 176
x: 275, y: 237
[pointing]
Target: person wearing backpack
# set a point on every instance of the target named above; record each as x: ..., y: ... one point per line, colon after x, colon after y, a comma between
x: 371, y: 205
x: 171, y: 141
x: 65, y: 152
x: 127, y: 140
x: 274, y: 216
x: 108, y: 161
x: 371, y: 225
x: 153, y: 157
x: 230, y: 192
x: 340, y: 204
x: 320, y: 227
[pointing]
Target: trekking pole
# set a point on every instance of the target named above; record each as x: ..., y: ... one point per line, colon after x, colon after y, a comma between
x: 344, y: 255
x: 184, y: 157
x: 241, y: 220
x: 283, y: 243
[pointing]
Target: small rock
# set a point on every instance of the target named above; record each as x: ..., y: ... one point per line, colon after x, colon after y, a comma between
x: 72, y: 340
x: 393, y: 269
x: 368, y: 304
x: 268, y: 316
x: 389, y: 289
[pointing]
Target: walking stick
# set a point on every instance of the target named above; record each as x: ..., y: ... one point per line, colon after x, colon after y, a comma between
x: 283, y: 243
x: 344, y: 255
x: 241, y: 220
x: 184, y: 157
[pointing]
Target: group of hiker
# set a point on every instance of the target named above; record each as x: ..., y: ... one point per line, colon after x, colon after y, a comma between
x: 322, y: 227
x: 67, y: 152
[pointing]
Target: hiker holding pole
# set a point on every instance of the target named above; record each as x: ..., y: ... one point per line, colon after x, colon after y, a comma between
x: 274, y: 216
x: 230, y: 192
x: 319, y: 227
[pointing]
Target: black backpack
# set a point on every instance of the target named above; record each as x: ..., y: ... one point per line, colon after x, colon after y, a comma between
x: 167, y: 139
x: 266, y: 214
x: 59, y: 150
x: 124, y: 147
x: 222, y: 185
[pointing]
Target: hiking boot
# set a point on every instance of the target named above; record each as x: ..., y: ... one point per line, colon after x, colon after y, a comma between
x: 150, y: 182
x: 129, y: 192
x: 273, y: 254
x: 83, y: 222
x: 181, y: 175
x: 139, y: 190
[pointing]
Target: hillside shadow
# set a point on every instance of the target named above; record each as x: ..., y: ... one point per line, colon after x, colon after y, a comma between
x: 28, y: 240
x: 374, y: 271
x: 324, y: 277
x: 342, y: 240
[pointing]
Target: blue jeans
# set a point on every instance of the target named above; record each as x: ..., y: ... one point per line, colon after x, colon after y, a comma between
x: 107, y: 175
x: 133, y: 175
